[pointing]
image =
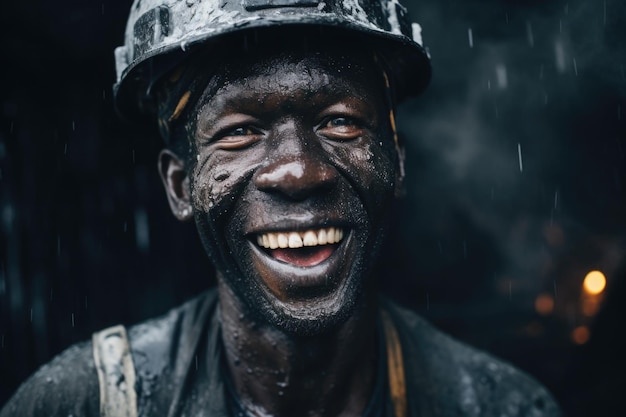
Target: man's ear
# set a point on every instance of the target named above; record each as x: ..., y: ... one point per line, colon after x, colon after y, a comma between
x: 400, y: 190
x: 176, y: 183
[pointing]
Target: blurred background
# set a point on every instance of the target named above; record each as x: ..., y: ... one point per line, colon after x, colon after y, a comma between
x: 511, y: 236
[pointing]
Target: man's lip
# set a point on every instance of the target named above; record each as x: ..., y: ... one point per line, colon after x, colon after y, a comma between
x: 285, y: 278
x: 298, y: 223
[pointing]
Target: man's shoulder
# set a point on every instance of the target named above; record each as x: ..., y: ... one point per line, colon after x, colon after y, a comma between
x: 157, y: 343
x: 68, y: 384
x: 169, y: 327
x: 450, y: 375
x: 165, y: 349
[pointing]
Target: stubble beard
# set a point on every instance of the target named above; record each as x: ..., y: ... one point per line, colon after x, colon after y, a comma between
x: 304, y: 319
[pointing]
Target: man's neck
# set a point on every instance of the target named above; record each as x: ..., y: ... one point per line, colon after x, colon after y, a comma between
x: 280, y: 374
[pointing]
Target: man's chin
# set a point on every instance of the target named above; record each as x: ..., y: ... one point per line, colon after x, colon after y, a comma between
x: 313, y: 317
x: 304, y: 317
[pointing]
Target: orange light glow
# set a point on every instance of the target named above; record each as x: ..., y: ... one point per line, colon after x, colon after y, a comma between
x: 544, y: 304
x: 594, y: 282
x: 580, y: 335
x: 590, y: 306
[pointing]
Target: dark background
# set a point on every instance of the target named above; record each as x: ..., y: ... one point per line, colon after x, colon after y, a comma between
x: 87, y: 240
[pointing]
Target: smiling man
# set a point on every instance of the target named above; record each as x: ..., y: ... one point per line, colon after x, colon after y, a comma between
x: 281, y: 146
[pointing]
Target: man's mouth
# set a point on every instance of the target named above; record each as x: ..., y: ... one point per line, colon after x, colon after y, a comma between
x: 301, y: 248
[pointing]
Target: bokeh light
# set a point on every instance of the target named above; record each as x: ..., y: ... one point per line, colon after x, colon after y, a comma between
x: 594, y: 282
x: 544, y: 304
x: 580, y: 335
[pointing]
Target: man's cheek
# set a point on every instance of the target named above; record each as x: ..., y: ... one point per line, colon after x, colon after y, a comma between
x: 373, y: 172
x: 371, y: 162
x: 213, y: 186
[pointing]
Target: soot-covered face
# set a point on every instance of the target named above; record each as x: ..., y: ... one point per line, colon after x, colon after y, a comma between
x: 291, y: 183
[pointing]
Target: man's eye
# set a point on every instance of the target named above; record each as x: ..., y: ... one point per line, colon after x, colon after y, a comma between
x: 241, y: 131
x: 341, y: 121
x: 341, y: 128
x: 239, y: 137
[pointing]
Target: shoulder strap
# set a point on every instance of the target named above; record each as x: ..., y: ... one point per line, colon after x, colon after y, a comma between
x: 395, y: 365
x: 116, y: 373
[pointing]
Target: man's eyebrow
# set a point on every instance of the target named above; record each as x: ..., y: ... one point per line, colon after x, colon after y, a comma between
x: 241, y: 92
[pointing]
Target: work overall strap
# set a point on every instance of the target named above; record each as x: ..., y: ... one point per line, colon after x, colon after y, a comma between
x: 116, y: 373
x: 395, y: 366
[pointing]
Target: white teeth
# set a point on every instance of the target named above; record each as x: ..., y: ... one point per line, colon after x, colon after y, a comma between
x: 295, y: 241
x: 309, y: 238
x: 321, y: 237
x: 330, y: 237
x: 273, y: 242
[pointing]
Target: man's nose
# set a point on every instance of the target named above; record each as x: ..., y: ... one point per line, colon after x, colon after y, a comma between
x: 297, y: 174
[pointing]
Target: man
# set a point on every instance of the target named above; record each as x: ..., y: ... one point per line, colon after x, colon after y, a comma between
x: 281, y: 145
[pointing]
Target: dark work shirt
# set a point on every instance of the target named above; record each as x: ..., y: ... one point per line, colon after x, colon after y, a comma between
x: 178, y: 360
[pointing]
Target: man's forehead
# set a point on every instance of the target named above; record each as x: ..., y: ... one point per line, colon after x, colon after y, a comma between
x: 280, y: 71
x: 308, y: 73
x: 282, y: 77
x: 266, y: 56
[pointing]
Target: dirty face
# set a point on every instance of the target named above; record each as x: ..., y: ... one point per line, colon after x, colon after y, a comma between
x: 291, y: 184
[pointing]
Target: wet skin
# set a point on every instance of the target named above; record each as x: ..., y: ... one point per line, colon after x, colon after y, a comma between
x: 293, y: 145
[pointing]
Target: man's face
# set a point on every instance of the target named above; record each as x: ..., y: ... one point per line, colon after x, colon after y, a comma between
x: 292, y: 183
